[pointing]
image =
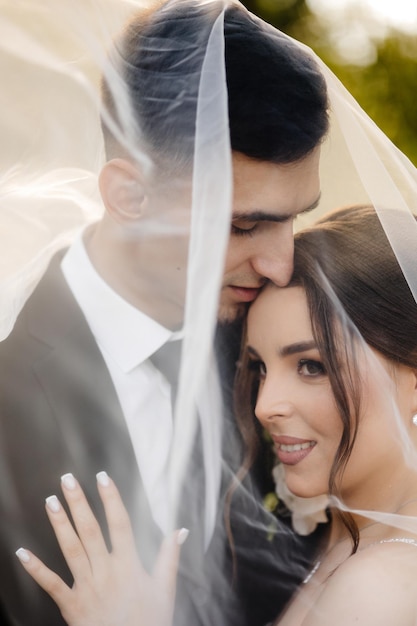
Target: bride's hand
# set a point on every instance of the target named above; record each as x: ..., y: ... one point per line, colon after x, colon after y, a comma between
x: 110, y: 588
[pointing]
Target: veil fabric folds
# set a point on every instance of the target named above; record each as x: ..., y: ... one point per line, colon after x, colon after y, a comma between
x: 52, y: 56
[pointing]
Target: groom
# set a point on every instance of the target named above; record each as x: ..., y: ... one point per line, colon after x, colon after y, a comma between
x: 78, y: 372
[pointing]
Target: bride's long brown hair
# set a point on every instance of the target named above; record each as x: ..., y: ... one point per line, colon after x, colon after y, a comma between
x: 355, y: 288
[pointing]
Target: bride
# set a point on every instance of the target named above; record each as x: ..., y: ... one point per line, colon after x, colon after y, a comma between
x: 334, y: 358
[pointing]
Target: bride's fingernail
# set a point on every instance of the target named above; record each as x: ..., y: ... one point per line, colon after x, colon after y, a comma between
x: 23, y: 555
x: 103, y: 479
x: 182, y: 536
x: 69, y: 481
x: 53, y: 504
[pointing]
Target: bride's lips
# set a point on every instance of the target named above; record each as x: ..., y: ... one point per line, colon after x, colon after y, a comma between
x: 291, y: 450
x: 245, y: 294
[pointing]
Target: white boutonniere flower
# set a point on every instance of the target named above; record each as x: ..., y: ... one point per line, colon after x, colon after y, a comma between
x: 306, y: 513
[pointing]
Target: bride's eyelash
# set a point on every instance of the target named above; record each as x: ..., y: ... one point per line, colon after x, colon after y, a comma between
x: 311, y: 367
x: 257, y: 367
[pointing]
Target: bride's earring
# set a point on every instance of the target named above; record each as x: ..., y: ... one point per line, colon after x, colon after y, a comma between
x: 414, y: 419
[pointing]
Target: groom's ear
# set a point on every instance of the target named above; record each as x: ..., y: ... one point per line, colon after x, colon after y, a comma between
x: 122, y: 190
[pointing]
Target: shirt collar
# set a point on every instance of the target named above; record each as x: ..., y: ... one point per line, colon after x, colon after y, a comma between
x: 120, y: 329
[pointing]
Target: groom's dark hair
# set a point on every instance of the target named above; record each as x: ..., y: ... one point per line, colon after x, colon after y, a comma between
x: 277, y: 98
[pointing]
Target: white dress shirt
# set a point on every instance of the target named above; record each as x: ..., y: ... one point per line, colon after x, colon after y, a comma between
x: 127, y: 338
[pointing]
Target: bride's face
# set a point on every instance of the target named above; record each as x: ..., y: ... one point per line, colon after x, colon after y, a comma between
x: 296, y: 404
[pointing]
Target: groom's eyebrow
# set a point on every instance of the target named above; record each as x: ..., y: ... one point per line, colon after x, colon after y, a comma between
x: 262, y: 216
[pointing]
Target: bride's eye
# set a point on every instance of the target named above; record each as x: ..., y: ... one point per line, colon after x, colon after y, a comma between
x: 257, y: 367
x: 310, y: 367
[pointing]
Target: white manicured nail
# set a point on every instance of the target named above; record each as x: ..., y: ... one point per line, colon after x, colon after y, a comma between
x: 103, y: 479
x: 23, y: 555
x: 182, y: 536
x: 69, y: 481
x: 53, y: 504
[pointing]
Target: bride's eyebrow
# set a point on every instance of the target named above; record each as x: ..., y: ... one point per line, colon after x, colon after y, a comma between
x: 300, y: 346
x: 293, y: 348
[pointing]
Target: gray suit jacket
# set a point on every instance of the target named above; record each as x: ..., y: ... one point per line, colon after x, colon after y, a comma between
x: 59, y: 413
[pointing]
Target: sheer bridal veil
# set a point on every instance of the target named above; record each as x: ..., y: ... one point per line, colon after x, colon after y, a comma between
x: 52, y: 55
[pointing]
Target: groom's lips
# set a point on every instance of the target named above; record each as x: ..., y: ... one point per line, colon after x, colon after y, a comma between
x: 245, y: 294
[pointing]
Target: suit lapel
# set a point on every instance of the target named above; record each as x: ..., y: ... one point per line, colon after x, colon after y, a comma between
x: 93, y: 435
x: 92, y: 429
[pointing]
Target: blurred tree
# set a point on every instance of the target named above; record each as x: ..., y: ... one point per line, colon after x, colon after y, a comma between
x: 283, y: 14
x: 385, y: 84
x: 291, y: 16
x: 387, y: 89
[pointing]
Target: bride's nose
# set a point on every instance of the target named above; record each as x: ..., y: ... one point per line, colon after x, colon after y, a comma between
x: 273, y: 401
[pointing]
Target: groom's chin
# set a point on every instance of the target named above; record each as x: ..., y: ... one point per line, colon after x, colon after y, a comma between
x: 231, y: 312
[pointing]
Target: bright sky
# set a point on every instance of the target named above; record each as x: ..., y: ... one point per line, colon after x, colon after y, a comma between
x: 398, y: 13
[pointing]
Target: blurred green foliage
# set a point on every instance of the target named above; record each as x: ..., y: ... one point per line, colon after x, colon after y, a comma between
x: 386, y: 87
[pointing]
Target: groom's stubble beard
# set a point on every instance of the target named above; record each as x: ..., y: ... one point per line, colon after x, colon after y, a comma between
x: 230, y: 312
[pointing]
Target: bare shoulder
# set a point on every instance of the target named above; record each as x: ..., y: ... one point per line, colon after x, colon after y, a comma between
x: 375, y: 587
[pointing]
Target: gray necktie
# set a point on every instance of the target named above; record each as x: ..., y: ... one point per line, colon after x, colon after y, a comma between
x: 168, y: 360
